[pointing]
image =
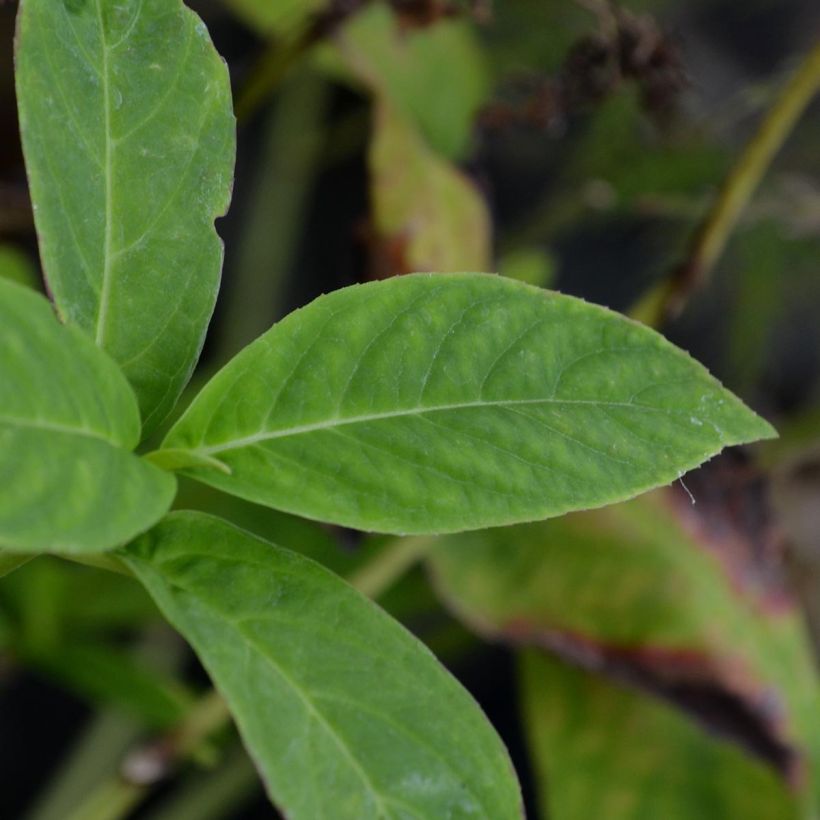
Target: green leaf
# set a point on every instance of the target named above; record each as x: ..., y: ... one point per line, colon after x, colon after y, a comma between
x: 435, y: 403
x: 435, y: 77
x: 279, y: 18
x: 345, y: 714
x: 15, y: 265
x: 600, y: 750
x: 125, y: 114
x: 427, y: 215
x: 644, y: 591
x: 9, y: 562
x: 67, y: 421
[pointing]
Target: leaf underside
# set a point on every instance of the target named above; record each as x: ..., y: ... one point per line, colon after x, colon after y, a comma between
x: 128, y: 133
x: 345, y: 714
x: 437, y: 403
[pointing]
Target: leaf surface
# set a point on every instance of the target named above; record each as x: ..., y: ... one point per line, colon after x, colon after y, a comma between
x: 9, y: 562
x: 600, y: 750
x: 435, y: 77
x: 68, y: 420
x: 427, y: 215
x: 434, y: 403
x: 653, y: 592
x: 345, y: 714
x: 125, y: 114
x: 280, y: 18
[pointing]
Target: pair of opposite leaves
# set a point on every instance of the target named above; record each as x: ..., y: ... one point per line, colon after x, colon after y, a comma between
x: 426, y: 404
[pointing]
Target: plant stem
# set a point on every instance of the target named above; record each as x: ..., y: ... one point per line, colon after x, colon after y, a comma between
x: 670, y: 297
x: 212, y: 795
x: 114, y: 799
x: 96, y: 755
x: 93, y: 755
x: 116, y: 796
x: 278, y: 60
x: 376, y: 577
x: 285, y: 176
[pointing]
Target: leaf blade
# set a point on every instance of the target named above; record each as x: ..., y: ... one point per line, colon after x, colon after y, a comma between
x: 600, y: 750
x: 434, y: 403
x: 659, y: 594
x: 413, y: 741
x: 125, y: 222
x: 67, y: 421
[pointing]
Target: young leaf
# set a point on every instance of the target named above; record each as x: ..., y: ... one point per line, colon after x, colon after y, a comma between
x: 600, y: 750
x: 67, y: 421
x: 435, y: 403
x: 125, y: 114
x: 345, y: 714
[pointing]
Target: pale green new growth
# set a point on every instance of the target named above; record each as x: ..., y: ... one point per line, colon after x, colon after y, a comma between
x: 68, y: 420
x: 436, y: 403
x: 125, y: 114
x: 344, y: 712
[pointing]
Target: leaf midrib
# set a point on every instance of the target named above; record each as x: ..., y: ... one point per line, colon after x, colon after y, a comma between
x: 328, y: 424
x: 303, y: 695
x: 105, y: 289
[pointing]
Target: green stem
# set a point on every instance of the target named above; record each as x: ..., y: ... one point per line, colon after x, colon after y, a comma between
x: 286, y: 173
x: 119, y: 794
x: 212, y: 795
x: 376, y: 577
x: 114, y: 799
x: 94, y: 755
x: 710, y: 240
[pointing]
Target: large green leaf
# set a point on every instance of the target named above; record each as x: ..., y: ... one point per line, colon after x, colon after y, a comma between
x: 67, y: 421
x: 431, y: 403
x: 125, y: 113
x: 644, y: 591
x: 600, y: 750
x: 345, y: 714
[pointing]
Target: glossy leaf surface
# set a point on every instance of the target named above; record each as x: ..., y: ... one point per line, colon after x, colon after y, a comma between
x: 434, y: 403
x: 67, y: 422
x: 125, y: 114
x: 600, y: 750
x: 345, y: 714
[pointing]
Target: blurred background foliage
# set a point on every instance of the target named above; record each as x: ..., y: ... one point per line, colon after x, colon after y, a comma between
x: 655, y: 659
